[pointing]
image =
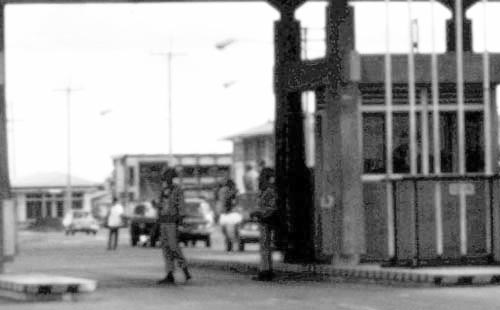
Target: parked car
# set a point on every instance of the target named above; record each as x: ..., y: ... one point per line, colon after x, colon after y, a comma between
x: 239, y: 229
x: 77, y: 220
x: 197, y: 224
x: 143, y: 225
x: 247, y: 232
x: 198, y: 221
x: 237, y: 226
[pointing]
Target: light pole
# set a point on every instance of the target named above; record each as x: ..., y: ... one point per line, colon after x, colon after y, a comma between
x: 169, y: 55
x: 68, y: 199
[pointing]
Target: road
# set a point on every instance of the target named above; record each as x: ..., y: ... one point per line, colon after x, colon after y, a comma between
x: 127, y: 280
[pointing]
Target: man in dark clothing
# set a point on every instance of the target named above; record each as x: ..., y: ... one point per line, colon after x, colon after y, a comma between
x: 266, y: 215
x: 170, y: 211
x: 264, y: 174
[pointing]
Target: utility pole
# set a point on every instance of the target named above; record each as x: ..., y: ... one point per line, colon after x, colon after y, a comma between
x: 169, y: 55
x: 11, y: 122
x: 68, y: 201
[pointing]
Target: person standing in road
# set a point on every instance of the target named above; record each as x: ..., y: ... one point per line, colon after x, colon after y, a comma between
x: 266, y: 214
x: 170, y: 210
x: 264, y: 174
x: 225, y: 196
x: 250, y: 179
x: 114, y: 221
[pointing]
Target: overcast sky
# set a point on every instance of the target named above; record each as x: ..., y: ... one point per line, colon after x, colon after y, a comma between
x: 106, y: 52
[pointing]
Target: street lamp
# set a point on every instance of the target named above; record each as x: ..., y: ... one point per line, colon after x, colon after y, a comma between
x: 68, y: 199
x: 169, y: 55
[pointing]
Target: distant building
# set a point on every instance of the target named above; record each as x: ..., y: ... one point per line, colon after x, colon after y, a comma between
x: 43, y: 195
x: 136, y: 177
x: 257, y: 143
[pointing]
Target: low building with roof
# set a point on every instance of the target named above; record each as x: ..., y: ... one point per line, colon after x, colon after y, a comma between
x: 42, y: 195
x: 257, y: 143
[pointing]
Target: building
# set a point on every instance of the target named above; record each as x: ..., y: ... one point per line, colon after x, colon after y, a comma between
x: 43, y: 195
x: 137, y: 177
x: 257, y: 143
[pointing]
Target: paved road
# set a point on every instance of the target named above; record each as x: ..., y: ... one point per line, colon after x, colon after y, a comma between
x: 127, y: 281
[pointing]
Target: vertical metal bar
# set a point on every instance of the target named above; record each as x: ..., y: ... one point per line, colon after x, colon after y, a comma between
x: 388, y: 91
x: 487, y: 133
x: 416, y: 262
x: 388, y: 132
x: 487, y: 217
x: 463, y: 219
x: 391, y: 214
x: 461, y: 125
x: 460, y: 85
x: 486, y: 96
x: 435, y: 97
x: 425, y: 131
x: 438, y: 218
x: 411, y: 95
x: 395, y: 222
x: 492, y: 229
x: 435, y: 136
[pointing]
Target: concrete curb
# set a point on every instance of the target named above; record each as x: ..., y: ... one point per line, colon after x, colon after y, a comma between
x: 42, y: 287
x: 389, y: 275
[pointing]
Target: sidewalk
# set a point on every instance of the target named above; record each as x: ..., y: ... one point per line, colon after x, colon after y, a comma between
x: 435, y: 276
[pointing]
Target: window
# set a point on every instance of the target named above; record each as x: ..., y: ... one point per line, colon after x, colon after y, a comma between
x: 60, y: 208
x: 131, y: 176
x: 449, y: 142
x: 33, y: 196
x: 474, y: 142
x: 188, y: 171
x: 374, y: 118
x: 374, y: 143
x: 77, y: 204
x: 33, y: 209
x: 401, y: 143
x: 76, y: 195
x: 48, y: 209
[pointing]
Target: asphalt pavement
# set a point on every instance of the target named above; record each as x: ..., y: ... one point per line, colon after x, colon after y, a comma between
x: 127, y: 280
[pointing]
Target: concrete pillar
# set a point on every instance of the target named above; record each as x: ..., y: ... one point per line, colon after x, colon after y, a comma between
x: 292, y: 177
x: 342, y: 146
x: 4, y: 170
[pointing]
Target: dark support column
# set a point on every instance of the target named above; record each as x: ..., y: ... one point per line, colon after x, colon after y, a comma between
x: 451, y: 44
x: 343, y: 163
x: 4, y: 167
x: 292, y: 176
x: 322, y: 221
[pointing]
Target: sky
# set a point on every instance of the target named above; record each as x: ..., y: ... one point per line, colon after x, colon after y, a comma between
x: 109, y: 55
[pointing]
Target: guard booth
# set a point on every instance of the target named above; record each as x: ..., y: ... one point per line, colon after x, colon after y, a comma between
x: 430, y: 190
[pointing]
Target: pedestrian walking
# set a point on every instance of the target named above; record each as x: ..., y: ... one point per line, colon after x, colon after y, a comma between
x: 266, y: 215
x: 170, y: 211
x: 250, y: 179
x: 225, y: 196
x: 114, y: 221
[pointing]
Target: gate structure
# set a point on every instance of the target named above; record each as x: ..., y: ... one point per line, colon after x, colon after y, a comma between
x: 406, y: 157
